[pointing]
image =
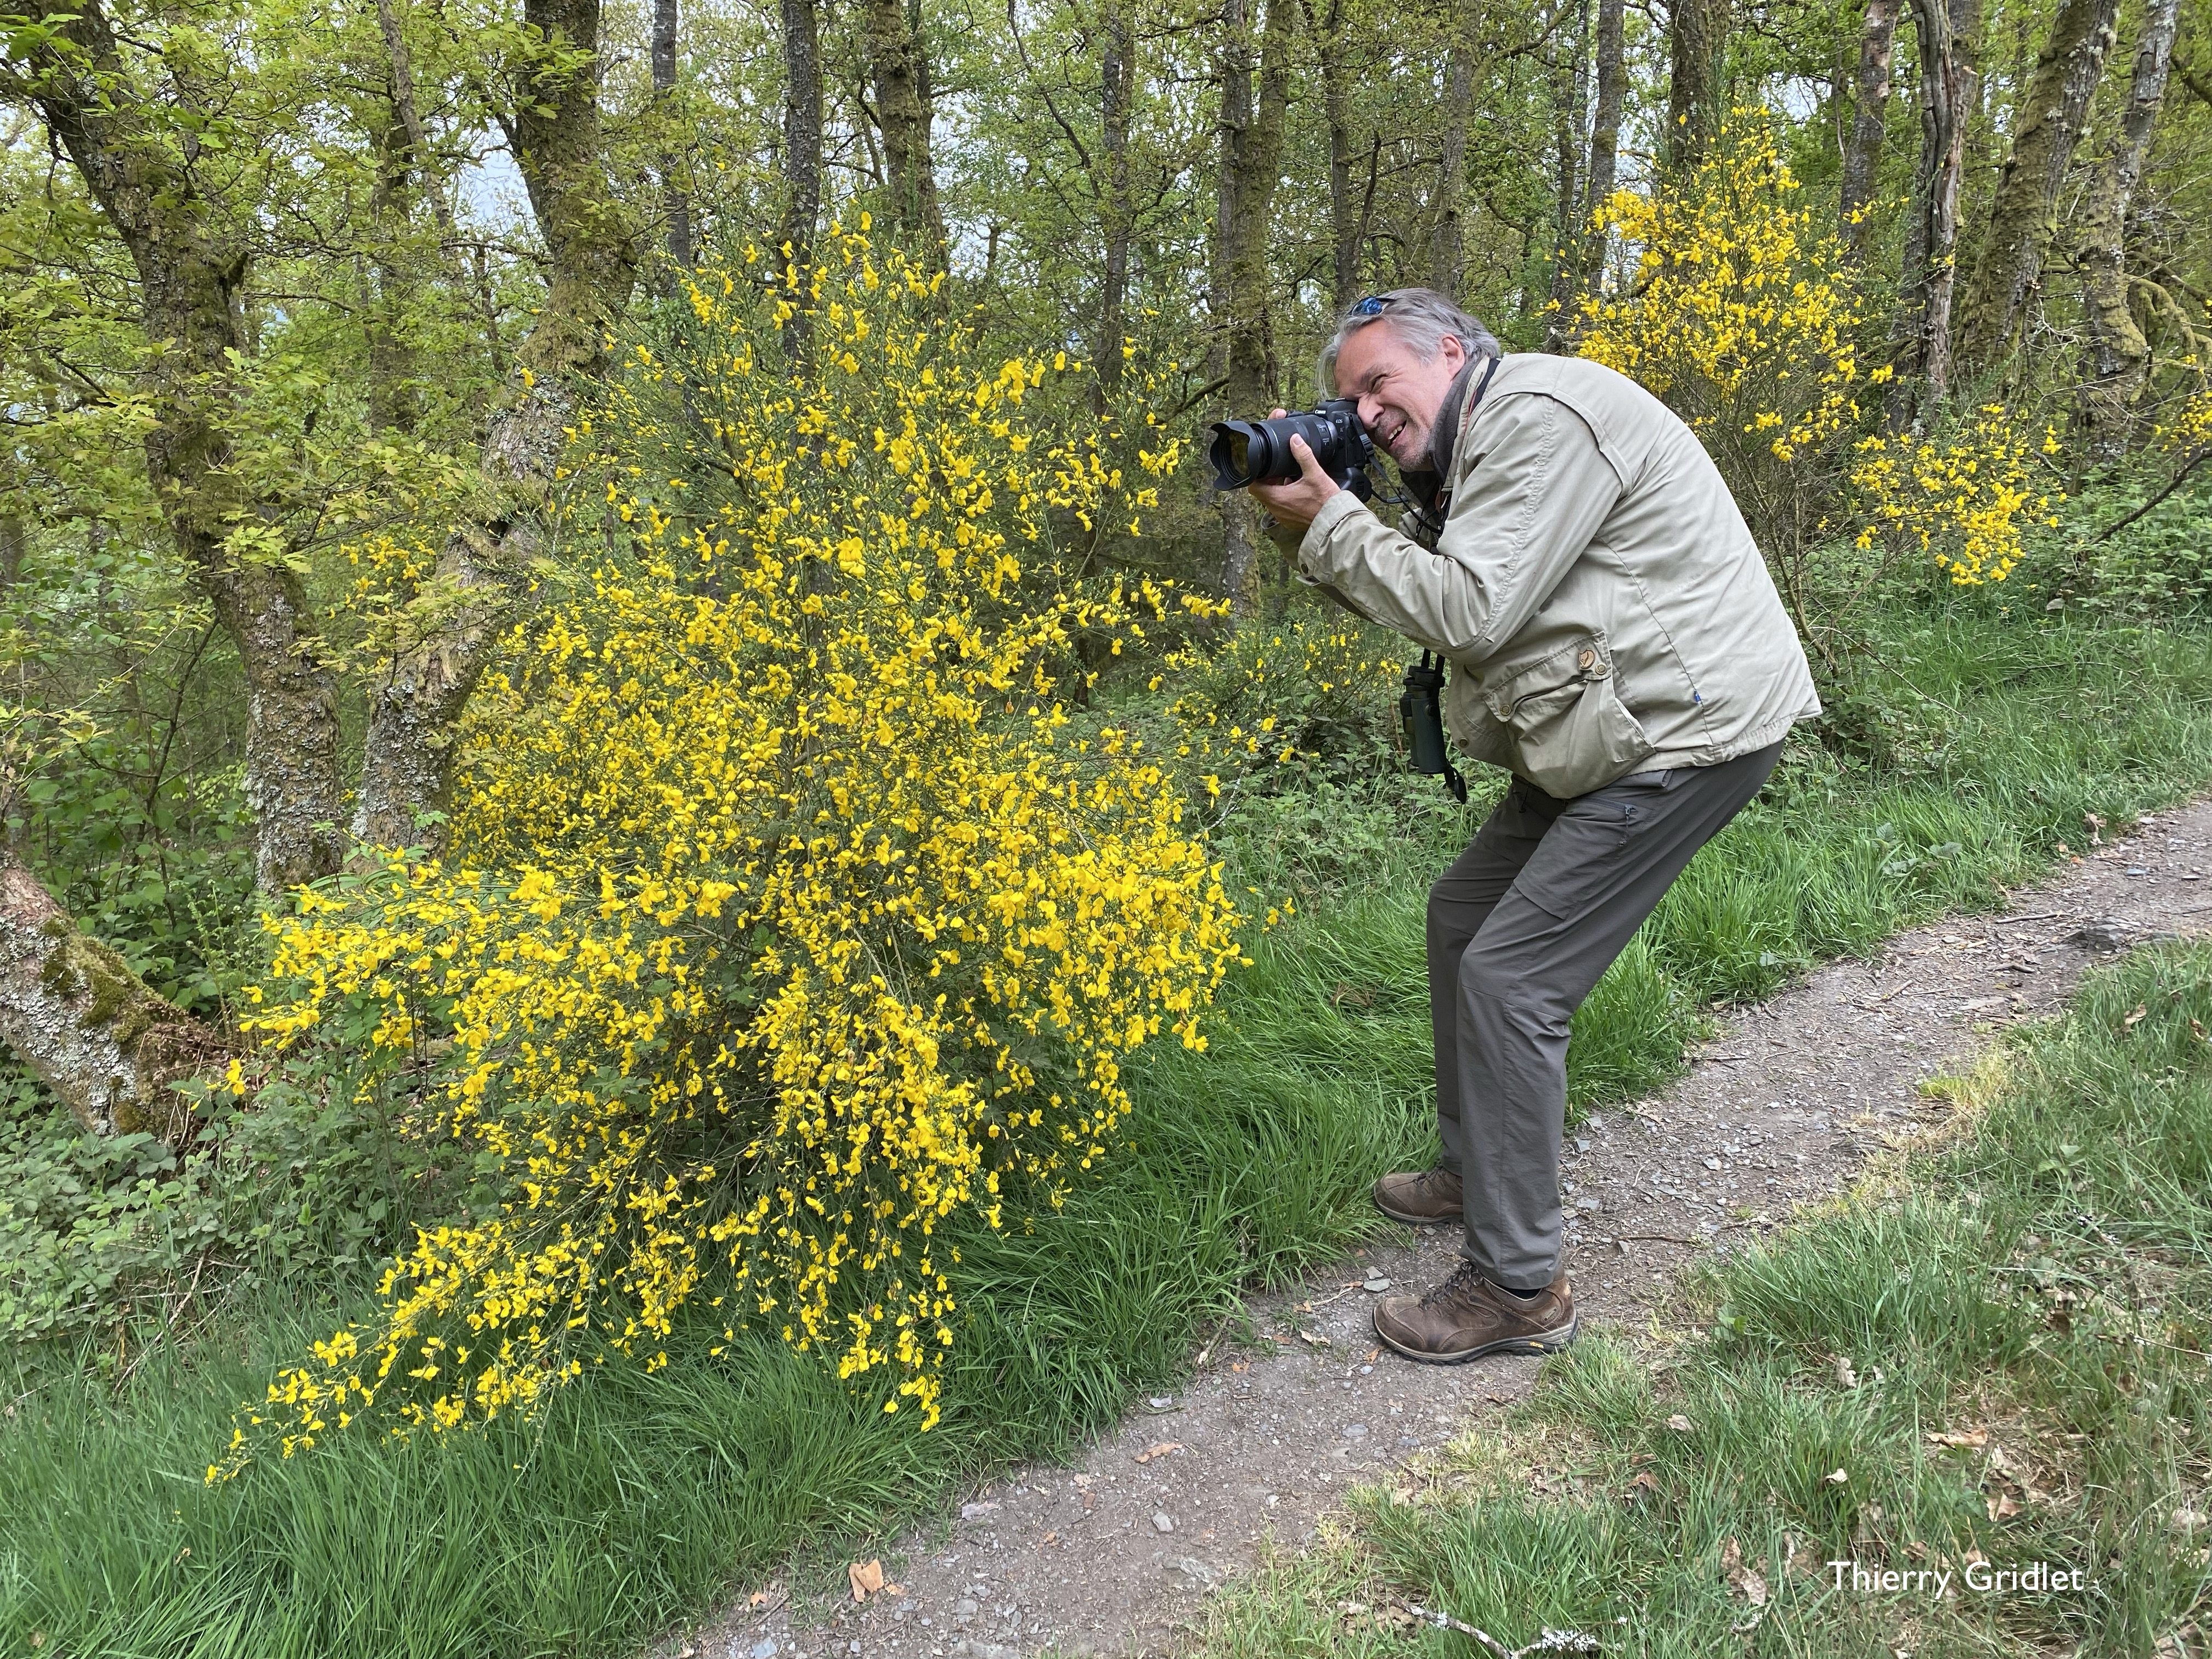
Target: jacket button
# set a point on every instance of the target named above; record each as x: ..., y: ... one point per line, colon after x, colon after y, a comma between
x: 1588, y: 660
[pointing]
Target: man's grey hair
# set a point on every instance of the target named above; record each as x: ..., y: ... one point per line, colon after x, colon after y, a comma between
x: 1421, y: 317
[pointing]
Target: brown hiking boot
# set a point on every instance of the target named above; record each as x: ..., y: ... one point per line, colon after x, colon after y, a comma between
x: 1420, y: 1199
x: 1466, y: 1317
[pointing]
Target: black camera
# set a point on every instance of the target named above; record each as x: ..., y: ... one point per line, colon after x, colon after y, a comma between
x: 1258, y: 451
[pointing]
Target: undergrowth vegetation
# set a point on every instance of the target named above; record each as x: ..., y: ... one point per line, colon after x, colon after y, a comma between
x: 1993, y: 1358
x: 1238, y: 1166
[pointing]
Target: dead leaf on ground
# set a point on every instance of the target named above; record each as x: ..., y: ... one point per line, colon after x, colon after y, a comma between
x: 1837, y: 1477
x: 1958, y: 1437
x: 1741, y: 1580
x: 1315, y: 1337
x: 2001, y: 1505
x: 757, y: 1598
x: 1844, y: 1373
x: 866, y: 1577
x: 1680, y: 1424
x: 1158, y: 1448
x: 1351, y: 993
x: 2135, y: 1018
x: 1641, y: 1484
x: 1401, y: 1496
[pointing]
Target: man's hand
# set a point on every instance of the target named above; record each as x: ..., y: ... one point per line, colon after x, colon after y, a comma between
x: 1295, y: 504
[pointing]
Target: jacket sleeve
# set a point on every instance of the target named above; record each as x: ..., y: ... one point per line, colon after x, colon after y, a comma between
x: 1531, y: 502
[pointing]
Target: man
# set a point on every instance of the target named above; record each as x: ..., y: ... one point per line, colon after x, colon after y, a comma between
x: 1618, y: 645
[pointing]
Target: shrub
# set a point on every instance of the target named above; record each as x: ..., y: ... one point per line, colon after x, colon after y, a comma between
x: 1306, y: 695
x: 787, y: 919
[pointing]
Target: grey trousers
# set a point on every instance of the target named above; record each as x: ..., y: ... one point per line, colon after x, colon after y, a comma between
x: 1521, y: 927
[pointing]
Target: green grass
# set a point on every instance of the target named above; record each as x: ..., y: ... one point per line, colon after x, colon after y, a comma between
x: 638, y: 1499
x: 2042, y: 1289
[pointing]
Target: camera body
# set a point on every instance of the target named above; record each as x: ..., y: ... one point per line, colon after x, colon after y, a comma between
x: 1246, y: 453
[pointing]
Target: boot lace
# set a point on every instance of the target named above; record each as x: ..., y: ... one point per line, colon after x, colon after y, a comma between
x: 1461, y: 1282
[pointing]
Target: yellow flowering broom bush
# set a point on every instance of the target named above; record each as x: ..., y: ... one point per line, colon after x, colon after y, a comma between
x: 1965, y: 498
x: 1744, y: 315
x: 787, y: 919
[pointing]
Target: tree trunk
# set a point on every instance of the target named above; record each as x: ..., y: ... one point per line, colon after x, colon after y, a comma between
x: 1696, y: 37
x: 86, y: 1026
x: 1921, y: 334
x: 191, y: 280
x: 1448, y: 245
x: 1605, y: 130
x: 408, y: 109
x: 802, y: 164
x: 1233, y: 63
x: 676, y: 200
x: 1117, y: 74
x: 901, y: 78
x: 1870, y: 123
x: 484, y: 568
x: 1346, y: 224
x: 394, y: 403
x: 2023, y: 213
x: 1250, y: 377
x: 2119, y: 356
x: 1567, y: 78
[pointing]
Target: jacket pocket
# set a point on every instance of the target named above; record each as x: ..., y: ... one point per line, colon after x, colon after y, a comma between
x: 1569, y: 730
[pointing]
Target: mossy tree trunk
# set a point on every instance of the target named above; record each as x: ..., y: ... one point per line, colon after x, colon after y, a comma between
x: 482, y: 570
x: 1697, y: 37
x: 1448, y: 243
x: 899, y: 68
x: 1252, y: 163
x: 1870, y: 123
x: 1347, y: 220
x: 1117, y: 80
x: 1920, y: 336
x: 86, y: 1026
x: 2119, y: 353
x: 2023, y: 212
x: 1570, y: 74
x: 1610, y: 93
x: 133, y: 145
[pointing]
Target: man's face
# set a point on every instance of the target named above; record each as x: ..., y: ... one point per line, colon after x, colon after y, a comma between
x: 1399, y: 395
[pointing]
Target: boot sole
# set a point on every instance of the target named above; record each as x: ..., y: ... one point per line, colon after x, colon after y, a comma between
x: 1453, y: 1217
x: 1541, y: 1342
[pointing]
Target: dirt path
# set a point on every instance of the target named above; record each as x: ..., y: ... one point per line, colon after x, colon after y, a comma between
x: 1109, y: 1554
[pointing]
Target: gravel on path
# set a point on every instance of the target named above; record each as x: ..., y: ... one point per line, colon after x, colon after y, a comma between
x: 1110, y: 1553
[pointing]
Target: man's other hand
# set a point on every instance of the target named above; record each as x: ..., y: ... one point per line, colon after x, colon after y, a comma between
x: 1296, y: 503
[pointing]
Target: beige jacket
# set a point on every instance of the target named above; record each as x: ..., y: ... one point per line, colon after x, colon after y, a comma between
x: 1604, y: 606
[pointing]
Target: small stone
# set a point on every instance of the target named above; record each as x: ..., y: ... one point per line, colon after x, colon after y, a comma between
x: 1160, y: 1402
x: 1355, y: 1432
x: 764, y: 1649
x: 966, y: 1608
x: 1376, y: 1285
x: 1162, y: 1521
x: 1679, y: 1423
x: 977, y: 1511
x: 1199, y: 1575
x: 968, y: 1648
x: 1712, y: 1164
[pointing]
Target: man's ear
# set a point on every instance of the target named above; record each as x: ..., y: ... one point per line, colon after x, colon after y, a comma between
x: 1453, y: 351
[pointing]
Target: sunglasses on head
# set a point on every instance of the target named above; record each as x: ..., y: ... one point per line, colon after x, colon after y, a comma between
x: 1373, y: 305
